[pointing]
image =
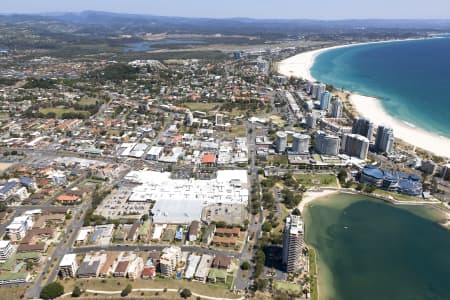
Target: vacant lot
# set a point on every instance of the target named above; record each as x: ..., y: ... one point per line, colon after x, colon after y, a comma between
x: 12, y: 292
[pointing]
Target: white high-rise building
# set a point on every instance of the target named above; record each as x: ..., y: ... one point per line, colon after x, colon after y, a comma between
x: 384, y: 141
x: 321, y: 90
x: 292, y: 243
x: 355, y: 145
x: 300, y: 143
x: 311, y: 120
x: 281, y: 141
x: 327, y: 144
x: 363, y: 127
x: 336, y: 107
x: 317, y: 90
x: 325, y: 100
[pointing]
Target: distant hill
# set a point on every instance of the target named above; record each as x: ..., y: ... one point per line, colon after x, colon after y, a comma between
x: 225, y: 26
x: 71, y: 33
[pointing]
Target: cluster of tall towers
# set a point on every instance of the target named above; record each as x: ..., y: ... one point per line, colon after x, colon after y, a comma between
x: 333, y: 105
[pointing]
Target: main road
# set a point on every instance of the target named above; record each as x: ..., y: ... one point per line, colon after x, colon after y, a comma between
x: 256, y: 220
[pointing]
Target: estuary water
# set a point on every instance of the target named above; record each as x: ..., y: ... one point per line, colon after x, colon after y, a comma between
x: 368, y: 249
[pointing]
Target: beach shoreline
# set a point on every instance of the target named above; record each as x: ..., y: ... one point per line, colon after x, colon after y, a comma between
x: 323, y: 276
x: 370, y: 107
x: 311, y: 195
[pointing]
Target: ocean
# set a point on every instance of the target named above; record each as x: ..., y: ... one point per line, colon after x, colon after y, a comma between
x: 411, y: 78
x: 368, y: 249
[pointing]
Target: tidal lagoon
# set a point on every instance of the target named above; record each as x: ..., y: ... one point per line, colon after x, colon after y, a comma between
x: 368, y: 249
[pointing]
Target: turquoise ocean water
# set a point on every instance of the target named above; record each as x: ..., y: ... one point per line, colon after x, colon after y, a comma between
x: 411, y: 78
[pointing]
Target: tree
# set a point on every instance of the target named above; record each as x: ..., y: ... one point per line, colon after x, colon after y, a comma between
x: 342, y: 175
x: 291, y: 200
x: 185, y: 293
x: 369, y: 189
x: 267, y: 227
x: 126, y: 290
x: 76, y: 292
x: 296, y: 212
x: 260, y: 259
x: 245, y: 265
x: 268, y: 200
x: 281, y: 296
x: 52, y: 291
x: 29, y: 265
x: 359, y: 187
x: 347, y: 184
x: 261, y: 284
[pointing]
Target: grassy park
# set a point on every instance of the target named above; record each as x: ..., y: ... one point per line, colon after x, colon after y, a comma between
x: 322, y: 180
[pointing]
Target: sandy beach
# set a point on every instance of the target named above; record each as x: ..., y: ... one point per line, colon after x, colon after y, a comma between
x: 369, y: 107
x: 372, y: 109
x: 312, y: 195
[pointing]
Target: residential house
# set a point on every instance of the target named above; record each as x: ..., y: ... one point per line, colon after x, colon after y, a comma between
x: 121, y: 268
x: 208, y: 159
x: 68, y: 200
x: 228, y: 232
x: 221, y: 262
x: 223, y: 241
x: 203, y: 267
x: 109, y: 265
x: 135, y: 268
x: 194, y: 230
x: 209, y: 234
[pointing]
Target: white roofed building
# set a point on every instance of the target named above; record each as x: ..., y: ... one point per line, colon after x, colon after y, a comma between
x: 6, y: 250
x: 68, y: 266
x: 180, y: 201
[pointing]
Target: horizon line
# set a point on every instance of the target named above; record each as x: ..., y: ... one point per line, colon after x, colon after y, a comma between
x: 49, y: 13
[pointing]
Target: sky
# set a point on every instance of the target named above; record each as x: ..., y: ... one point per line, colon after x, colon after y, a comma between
x: 274, y: 9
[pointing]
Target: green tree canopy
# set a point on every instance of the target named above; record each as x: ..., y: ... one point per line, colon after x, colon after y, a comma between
x: 245, y: 265
x: 185, y: 293
x: 126, y: 290
x: 52, y: 291
x: 76, y: 292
